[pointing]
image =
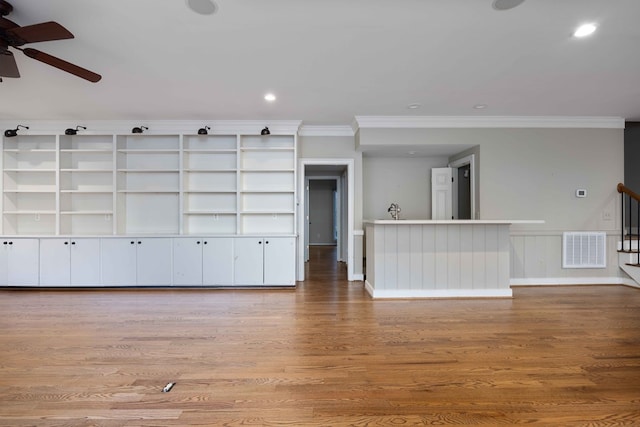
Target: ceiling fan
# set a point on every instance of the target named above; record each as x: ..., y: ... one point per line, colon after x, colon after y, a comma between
x: 14, y: 36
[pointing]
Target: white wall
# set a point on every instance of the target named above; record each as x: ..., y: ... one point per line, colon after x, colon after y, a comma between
x: 402, y: 180
x: 533, y: 174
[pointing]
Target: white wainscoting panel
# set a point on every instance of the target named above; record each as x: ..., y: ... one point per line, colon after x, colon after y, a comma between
x: 438, y: 260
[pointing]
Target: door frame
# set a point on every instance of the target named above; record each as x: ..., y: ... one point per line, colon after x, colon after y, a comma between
x: 337, y: 208
x: 302, y: 166
x: 467, y: 160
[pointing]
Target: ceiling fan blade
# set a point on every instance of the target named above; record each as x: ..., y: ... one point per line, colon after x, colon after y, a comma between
x: 62, y: 65
x: 8, y: 66
x: 44, y: 32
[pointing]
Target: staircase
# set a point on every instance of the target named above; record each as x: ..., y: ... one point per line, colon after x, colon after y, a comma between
x: 628, y: 247
x: 628, y: 259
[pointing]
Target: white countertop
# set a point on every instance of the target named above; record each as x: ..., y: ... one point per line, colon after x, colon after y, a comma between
x: 450, y: 221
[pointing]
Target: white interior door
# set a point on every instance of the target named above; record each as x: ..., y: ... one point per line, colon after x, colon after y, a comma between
x: 441, y: 193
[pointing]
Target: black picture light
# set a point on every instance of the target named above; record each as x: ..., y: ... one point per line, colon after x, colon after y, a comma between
x: 74, y: 131
x: 10, y: 133
x: 139, y: 129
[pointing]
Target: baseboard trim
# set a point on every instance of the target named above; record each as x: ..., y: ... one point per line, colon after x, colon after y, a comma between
x: 551, y: 281
x: 436, y: 293
x: 368, y: 288
x: 357, y: 277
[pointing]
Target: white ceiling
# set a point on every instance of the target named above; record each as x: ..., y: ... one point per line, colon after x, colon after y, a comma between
x: 329, y: 61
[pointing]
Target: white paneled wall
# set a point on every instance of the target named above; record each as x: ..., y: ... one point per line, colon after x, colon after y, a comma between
x: 438, y: 260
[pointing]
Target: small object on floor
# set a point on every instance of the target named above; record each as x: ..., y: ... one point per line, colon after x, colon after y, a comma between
x: 168, y: 387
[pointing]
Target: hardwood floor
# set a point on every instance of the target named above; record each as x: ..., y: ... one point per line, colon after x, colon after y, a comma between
x: 324, y: 354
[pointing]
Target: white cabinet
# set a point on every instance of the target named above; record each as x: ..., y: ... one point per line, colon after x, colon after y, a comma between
x: 217, y: 261
x: 187, y: 261
x: 203, y: 261
x: 248, y: 265
x: 19, y: 262
x: 279, y: 261
x: 264, y: 261
x: 136, y: 261
x: 118, y: 262
x: 74, y: 262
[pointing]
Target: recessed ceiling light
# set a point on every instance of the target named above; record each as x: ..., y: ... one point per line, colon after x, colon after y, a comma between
x: 480, y: 106
x: 585, y: 30
x: 506, y: 4
x: 411, y: 153
x: 270, y: 97
x: 414, y: 106
x: 202, y: 7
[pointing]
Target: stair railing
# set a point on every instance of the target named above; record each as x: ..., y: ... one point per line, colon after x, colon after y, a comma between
x: 630, y: 196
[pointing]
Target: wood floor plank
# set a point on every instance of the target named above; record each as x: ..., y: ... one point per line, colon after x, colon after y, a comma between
x: 324, y: 354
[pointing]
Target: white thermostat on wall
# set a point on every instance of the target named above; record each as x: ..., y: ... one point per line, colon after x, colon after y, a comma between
x: 581, y: 193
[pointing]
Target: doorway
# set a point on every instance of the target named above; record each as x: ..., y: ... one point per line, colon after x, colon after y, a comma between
x: 464, y: 188
x: 323, y: 209
x: 332, y: 181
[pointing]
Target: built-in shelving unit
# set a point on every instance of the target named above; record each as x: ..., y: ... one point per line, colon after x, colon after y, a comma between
x: 153, y: 209
x: 149, y: 184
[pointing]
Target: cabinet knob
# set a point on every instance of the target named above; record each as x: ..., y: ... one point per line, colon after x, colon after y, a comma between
x: 266, y: 243
x: 139, y: 242
x: 73, y: 243
x: 198, y: 242
x: 205, y: 242
x: 11, y: 243
x: 259, y: 242
x: 133, y: 243
x: 66, y: 243
x: 4, y: 243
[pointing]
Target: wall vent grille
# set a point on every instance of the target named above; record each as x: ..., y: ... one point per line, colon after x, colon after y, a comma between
x: 584, y: 250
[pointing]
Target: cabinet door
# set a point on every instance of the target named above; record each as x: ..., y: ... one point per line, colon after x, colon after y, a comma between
x: 154, y: 261
x: 85, y: 262
x: 248, y: 261
x: 118, y: 262
x: 217, y: 261
x: 4, y: 262
x: 187, y: 261
x: 55, y: 262
x: 279, y: 261
x: 22, y: 262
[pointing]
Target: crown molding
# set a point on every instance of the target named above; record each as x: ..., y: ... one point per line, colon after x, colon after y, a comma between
x: 311, y: 130
x: 97, y: 127
x: 556, y: 122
